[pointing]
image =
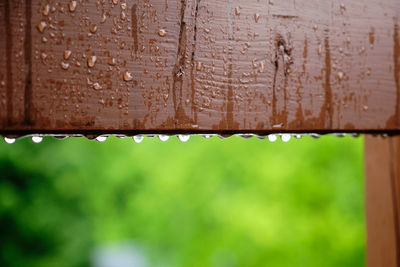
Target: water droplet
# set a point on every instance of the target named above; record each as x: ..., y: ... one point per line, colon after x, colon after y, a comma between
x: 101, y: 138
x: 112, y: 61
x: 319, y: 49
x: 184, y: 138
x: 93, y: 28
x: 60, y: 137
x: 286, y: 137
x: 340, y: 135
x: 342, y: 7
x: 67, y: 54
x: 261, y: 69
x: 103, y: 17
x: 138, y: 138
x: 64, y: 65
x: 207, y: 136
x: 97, y: 86
x: 162, y: 32
x: 198, y: 65
x: 37, y: 139
x: 42, y: 25
x: 272, y: 138
x: 91, y: 61
x: 256, y: 17
x: 163, y: 138
x: 43, y: 55
x: 9, y: 140
x: 247, y: 136
x: 237, y: 11
x: 340, y: 75
x: 127, y: 76
x: 315, y: 136
x: 72, y: 5
x: 46, y: 10
x: 122, y: 15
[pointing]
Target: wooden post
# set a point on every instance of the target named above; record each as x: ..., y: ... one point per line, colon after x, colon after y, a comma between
x: 382, y: 165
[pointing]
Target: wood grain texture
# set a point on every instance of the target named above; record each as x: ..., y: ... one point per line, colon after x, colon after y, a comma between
x: 200, y: 66
x: 382, y: 163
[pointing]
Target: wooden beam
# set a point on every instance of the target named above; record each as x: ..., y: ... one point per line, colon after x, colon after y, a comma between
x: 199, y: 66
x: 382, y: 164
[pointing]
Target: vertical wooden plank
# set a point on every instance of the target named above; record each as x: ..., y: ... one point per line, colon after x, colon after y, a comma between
x: 3, y: 66
x: 15, y: 62
x: 382, y: 161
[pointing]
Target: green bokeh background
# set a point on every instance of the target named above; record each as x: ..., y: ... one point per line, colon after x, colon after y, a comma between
x: 232, y: 202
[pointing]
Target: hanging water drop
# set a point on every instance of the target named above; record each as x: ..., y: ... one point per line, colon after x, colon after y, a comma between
x: 101, y: 138
x: 207, y: 136
x: 315, y: 136
x: 285, y: 137
x: 37, y: 139
x: 184, y: 138
x: 138, y: 138
x: 9, y: 140
x: 272, y: 138
x: 163, y: 138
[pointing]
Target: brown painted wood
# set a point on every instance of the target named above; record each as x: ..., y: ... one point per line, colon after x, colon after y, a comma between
x: 382, y: 161
x: 196, y: 66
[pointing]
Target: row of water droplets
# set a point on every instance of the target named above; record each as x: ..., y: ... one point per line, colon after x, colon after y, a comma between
x: 286, y: 137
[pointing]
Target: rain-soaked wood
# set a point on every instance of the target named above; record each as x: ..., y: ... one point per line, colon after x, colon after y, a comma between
x: 382, y: 161
x: 199, y: 66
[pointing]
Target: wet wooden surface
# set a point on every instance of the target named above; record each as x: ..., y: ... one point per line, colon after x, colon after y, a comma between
x: 382, y: 165
x: 191, y: 66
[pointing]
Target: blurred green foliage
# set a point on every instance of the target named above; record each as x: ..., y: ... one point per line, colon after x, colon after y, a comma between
x: 232, y: 202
